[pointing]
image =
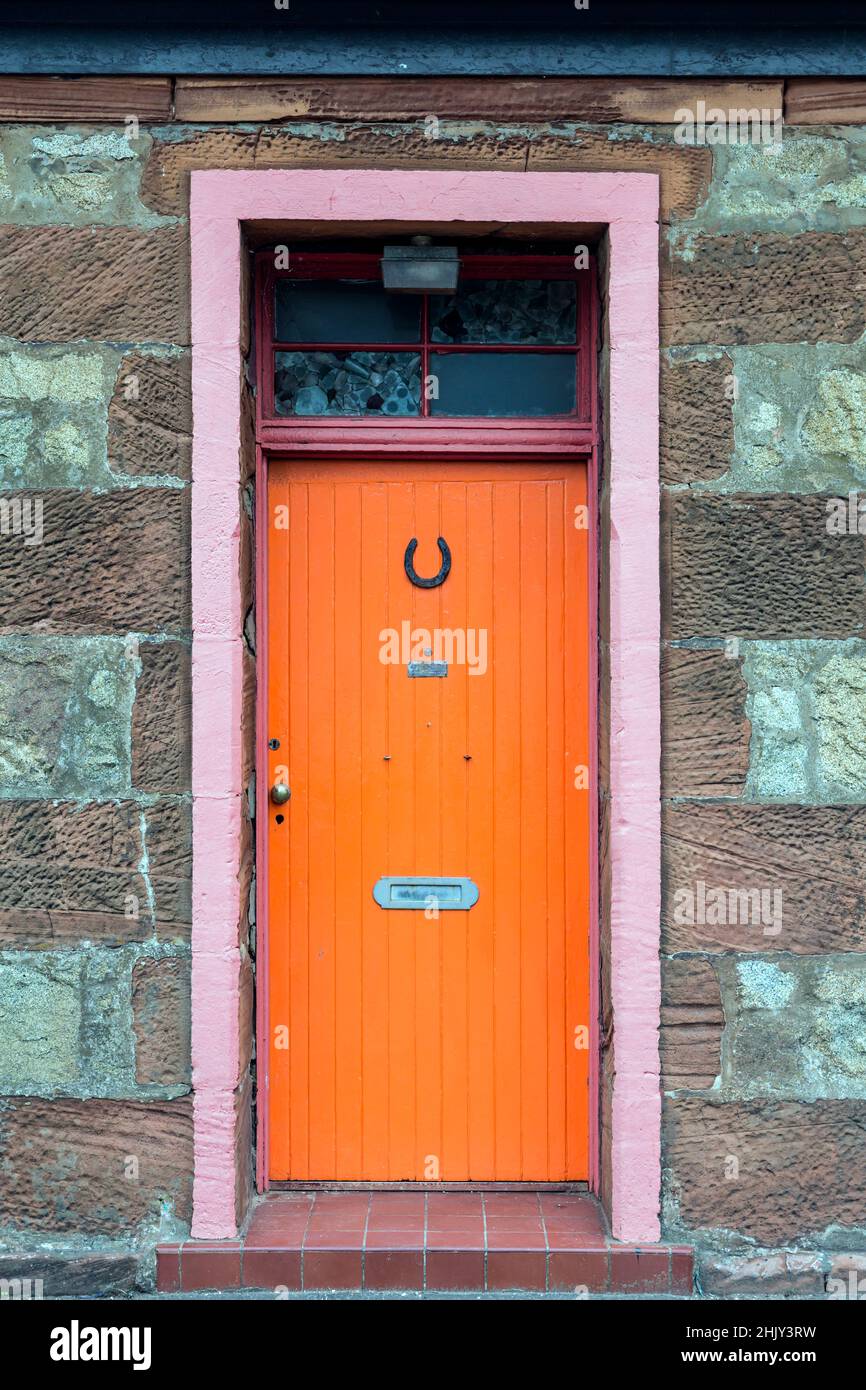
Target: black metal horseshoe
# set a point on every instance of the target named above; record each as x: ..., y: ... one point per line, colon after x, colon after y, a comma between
x: 437, y: 579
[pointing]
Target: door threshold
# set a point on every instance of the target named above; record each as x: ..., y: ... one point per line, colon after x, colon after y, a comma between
x: 338, y: 1185
x: 480, y: 1242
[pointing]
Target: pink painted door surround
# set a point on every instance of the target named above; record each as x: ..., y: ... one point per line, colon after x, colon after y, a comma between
x: 625, y: 208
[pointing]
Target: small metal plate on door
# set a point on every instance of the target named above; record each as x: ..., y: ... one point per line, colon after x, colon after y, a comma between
x: 420, y: 670
x: 409, y: 892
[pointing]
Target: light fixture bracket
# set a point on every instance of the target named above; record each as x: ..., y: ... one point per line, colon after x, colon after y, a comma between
x: 420, y: 268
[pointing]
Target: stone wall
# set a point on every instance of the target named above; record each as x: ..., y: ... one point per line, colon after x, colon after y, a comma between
x: 764, y: 663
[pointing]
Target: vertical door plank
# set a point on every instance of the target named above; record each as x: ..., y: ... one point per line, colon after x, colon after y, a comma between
x: 481, y: 812
x: 348, y: 975
x: 537, y: 713
x: 281, y: 1132
x: 399, y: 927
x: 374, y: 830
x: 507, y: 587
x: 558, y: 1039
x: 455, y: 616
x: 321, y: 819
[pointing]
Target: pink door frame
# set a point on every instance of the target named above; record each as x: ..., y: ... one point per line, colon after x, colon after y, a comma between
x: 625, y: 207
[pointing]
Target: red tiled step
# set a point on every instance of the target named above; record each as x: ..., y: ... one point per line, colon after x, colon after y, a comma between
x: 451, y: 1241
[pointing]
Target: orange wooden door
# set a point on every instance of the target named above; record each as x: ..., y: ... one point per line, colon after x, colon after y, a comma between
x: 405, y: 1045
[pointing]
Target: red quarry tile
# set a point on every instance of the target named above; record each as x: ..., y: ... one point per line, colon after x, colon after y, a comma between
x: 388, y: 1215
x: 394, y: 1269
x: 455, y: 1223
x: 332, y: 1269
x: 569, y: 1238
x: 168, y: 1268
x: 577, y: 1212
x: 211, y: 1266
x: 682, y: 1270
x: 456, y: 1239
x: 635, y: 1270
x: 467, y: 1222
x: 502, y: 1239
x: 286, y: 1201
x: 516, y: 1269
x: 454, y: 1204
x: 394, y: 1240
x: 271, y: 1269
x: 333, y: 1238
x: 455, y: 1270
x: 287, y: 1238
x: 514, y: 1223
x: 275, y: 1223
x: 578, y: 1269
x: 398, y: 1201
x: 337, y: 1220
x: 511, y: 1204
x: 347, y: 1202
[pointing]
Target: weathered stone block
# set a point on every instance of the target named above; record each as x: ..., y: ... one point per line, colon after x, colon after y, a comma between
x: 814, y: 855
x: 169, y: 855
x: 396, y: 98
x: 74, y: 872
x: 773, y: 1172
x: 150, y: 416
x: 40, y: 1022
x: 113, y: 562
x: 70, y: 1274
x: 797, y: 1027
x: 846, y: 1277
x: 692, y: 1023
x: 162, y: 718
x: 114, y: 284
x: 697, y: 428
x: 52, y: 416
x: 44, y: 97
x: 161, y: 1019
x: 799, y: 418
x: 769, y: 288
x: 772, y: 1274
x: 760, y: 567
x: 825, y: 101
x: 64, y: 716
x: 684, y: 171
x: 100, y: 1166
x: 467, y: 145
x: 64, y: 1023
x: 72, y: 177
x: 807, y: 704
x: 705, y: 732
x: 805, y: 180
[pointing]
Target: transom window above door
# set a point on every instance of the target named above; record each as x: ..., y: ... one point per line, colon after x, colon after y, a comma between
x: 511, y: 342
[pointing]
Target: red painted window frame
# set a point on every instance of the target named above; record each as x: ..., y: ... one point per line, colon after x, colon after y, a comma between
x: 530, y: 436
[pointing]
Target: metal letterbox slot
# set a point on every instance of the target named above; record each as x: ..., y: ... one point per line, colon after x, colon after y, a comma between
x: 409, y: 892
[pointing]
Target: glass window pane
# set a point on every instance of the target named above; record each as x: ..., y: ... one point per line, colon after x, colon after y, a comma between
x: 344, y: 311
x: 507, y: 311
x: 508, y: 383
x: 347, y: 383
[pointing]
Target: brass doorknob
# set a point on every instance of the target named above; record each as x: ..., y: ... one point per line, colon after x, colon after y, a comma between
x: 280, y: 793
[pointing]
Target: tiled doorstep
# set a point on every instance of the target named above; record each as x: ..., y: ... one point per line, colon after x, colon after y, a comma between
x: 472, y: 1242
